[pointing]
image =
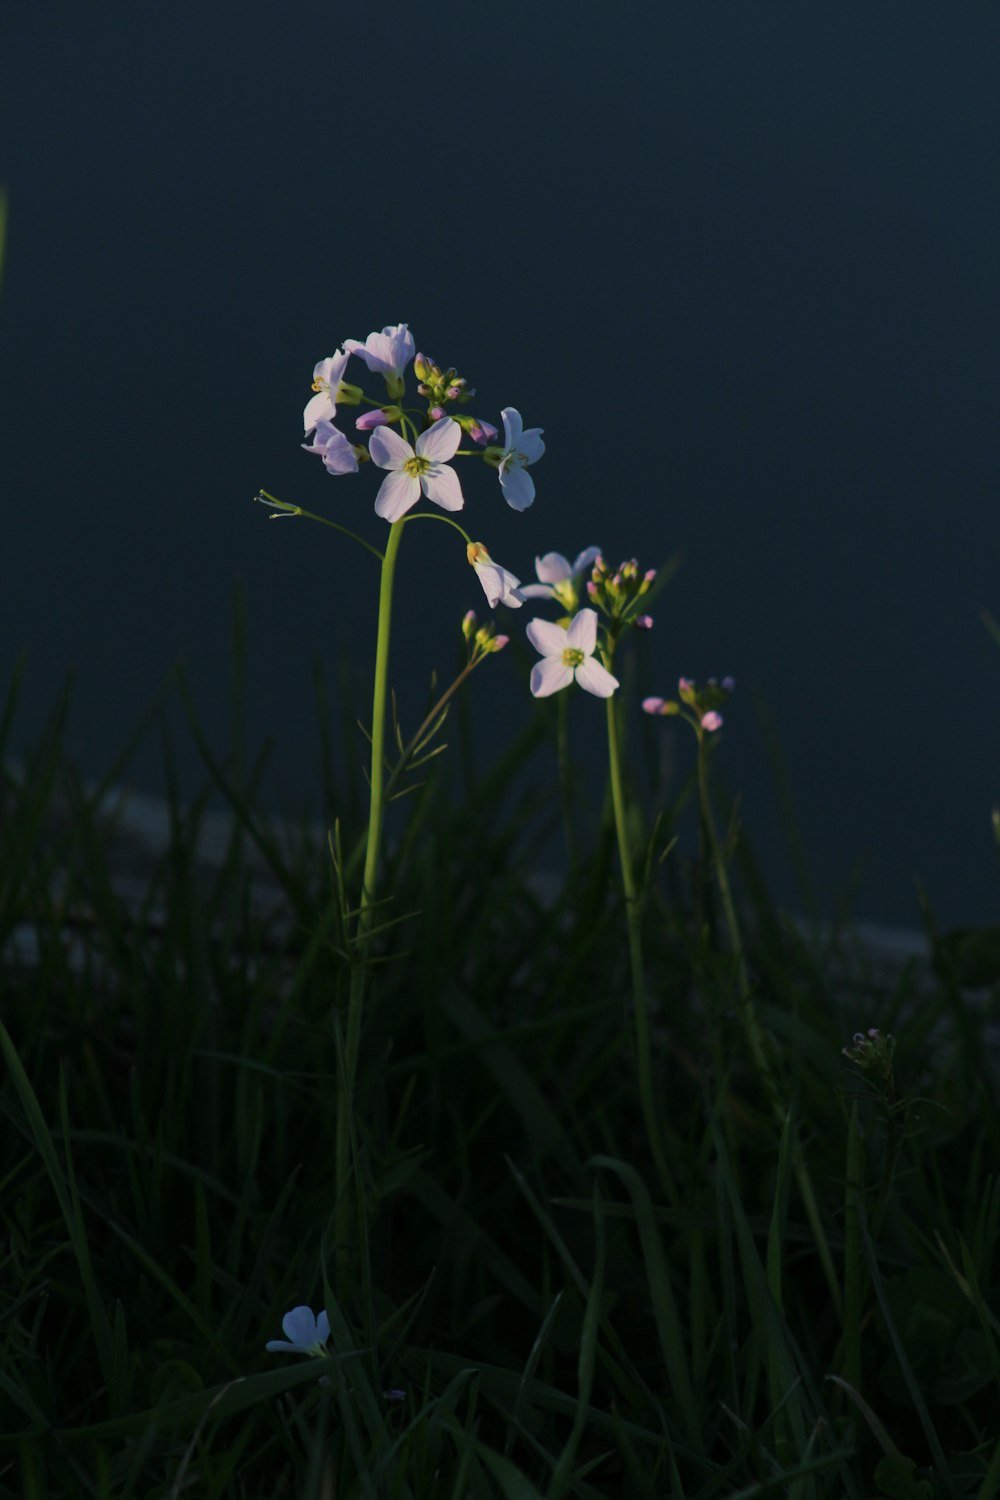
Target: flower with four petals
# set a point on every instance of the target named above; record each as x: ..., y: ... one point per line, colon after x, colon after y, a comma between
x: 411, y: 471
x: 557, y: 576
x: 304, y: 1333
x: 568, y: 654
x: 337, y: 451
x: 520, y: 449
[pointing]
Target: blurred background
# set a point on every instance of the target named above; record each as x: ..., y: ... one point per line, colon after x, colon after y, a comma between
x: 739, y: 261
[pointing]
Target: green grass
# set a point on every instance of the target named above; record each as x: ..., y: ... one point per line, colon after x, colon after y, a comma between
x: 812, y: 1313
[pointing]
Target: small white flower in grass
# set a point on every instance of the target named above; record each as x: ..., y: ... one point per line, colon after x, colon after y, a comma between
x: 411, y: 471
x: 567, y: 654
x: 520, y: 449
x: 306, y: 1334
x: 558, y: 576
x: 326, y: 378
x: 387, y: 353
x: 337, y: 451
x: 499, y: 586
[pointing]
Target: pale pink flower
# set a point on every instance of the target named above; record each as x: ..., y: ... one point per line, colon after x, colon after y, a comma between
x: 520, y: 449
x: 326, y: 377
x: 414, y: 470
x: 336, y: 450
x: 568, y: 654
x: 499, y: 585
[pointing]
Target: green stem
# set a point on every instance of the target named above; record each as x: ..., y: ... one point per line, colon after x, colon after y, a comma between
x: 343, y: 1217
x: 633, y: 911
x: 752, y: 1028
x: 282, y: 508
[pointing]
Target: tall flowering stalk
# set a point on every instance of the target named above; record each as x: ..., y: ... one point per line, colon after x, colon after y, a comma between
x: 582, y: 649
x: 416, y: 462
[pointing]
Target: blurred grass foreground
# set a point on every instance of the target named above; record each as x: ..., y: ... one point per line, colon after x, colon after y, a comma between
x: 800, y: 1300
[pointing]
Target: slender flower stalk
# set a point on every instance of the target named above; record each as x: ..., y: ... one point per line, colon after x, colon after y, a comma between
x: 633, y: 911
x: 376, y: 812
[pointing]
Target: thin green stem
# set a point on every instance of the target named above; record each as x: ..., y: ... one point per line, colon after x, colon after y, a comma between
x: 366, y: 914
x: 284, y: 509
x: 633, y: 911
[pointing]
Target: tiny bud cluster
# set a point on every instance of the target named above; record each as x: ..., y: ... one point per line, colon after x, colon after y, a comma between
x: 871, y: 1050
x: 702, y: 703
x: 617, y: 594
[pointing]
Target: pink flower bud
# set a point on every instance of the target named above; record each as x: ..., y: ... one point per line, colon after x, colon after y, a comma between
x: 653, y: 705
x: 685, y: 684
x: 436, y: 413
x: 649, y: 575
x: 481, y: 432
x: 644, y: 622
x: 370, y: 419
x: 500, y: 641
x: 591, y: 588
x: 711, y: 721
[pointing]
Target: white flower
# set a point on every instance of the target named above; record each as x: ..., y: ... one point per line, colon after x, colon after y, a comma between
x: 410, y: 472
x: 520, y: 449
x: 557, y: 576
x: 337, y: 451
x: 568, y: 654
x: 326, y: 378
x: 387, y: 353
x: 307, y: 1334
x: 499, y: 586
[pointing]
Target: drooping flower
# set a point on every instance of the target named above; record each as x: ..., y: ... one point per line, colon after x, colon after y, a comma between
x: 520, y: 449
x: 558, y: 577
x: 336, y: 450
x: 305, y: 1333
x: 380, y: 416
x: 412, y: 471
x: 568, y: 654
x: 387, y: 353
x: 499, y: 585
x: 326, y: 377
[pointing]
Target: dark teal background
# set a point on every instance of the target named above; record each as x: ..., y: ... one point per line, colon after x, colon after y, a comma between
x: 738, y: 260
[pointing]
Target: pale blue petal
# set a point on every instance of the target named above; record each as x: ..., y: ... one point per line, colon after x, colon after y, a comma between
x: 530, y: 444
x: 323, y: 1327
x: 518, y: 487
x: 300, y: 1326
x: 512, y: 425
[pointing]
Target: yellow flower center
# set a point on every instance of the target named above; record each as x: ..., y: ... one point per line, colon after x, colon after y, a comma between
x: 416, y: 466
x: 572, y: 657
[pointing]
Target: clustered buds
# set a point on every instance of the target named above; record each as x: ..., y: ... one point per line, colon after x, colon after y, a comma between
x: 871, y: 1050
x: 703, y: 703
x: 440, y: 386
x: 617, y: 594
x: 482, y: 640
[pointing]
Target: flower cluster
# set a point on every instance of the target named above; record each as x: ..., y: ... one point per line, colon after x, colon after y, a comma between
x: 617, y: 594
x: 871, y: 1050
x: 703, y: 703
x: 414, y: 446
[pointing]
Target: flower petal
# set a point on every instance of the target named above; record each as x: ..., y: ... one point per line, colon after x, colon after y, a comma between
x: 388, y: 449
x: 517, y: 485
x: 398, y: 494
x: 586, y: 559
x: 582, y: 633
x: 548, y: 637
x: 323, y: 1327
x: 441, y: 485
x: 318, y: 408
x: 530, y: 445
x: 439, y: 442
x: 299, y: 1325
x: 550, y: 676
x: 595, y: 678
x: 273, y: 1345
x: 553, y: 567
x: 512, y: 426
x: 536, y: 590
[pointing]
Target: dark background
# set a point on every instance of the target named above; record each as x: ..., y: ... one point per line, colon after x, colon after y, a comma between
x: 738, y: 260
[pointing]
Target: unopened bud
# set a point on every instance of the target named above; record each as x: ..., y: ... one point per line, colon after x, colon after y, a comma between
x: 422, y: 368
x: 381, y: 417
x: 644, y: 622
x: 469, y: 624
x: 437, y: 412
